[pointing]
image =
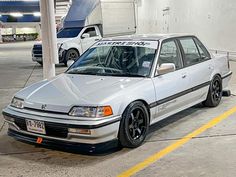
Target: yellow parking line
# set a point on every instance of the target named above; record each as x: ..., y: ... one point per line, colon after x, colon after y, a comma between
x: 155, y: 157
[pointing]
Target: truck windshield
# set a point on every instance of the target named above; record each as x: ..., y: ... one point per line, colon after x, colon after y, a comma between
x: 68, y: 32
x: 126, y: 61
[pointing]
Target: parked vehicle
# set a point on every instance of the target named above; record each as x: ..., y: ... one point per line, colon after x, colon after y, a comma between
x: 117, y: 89
x: 82, y: 28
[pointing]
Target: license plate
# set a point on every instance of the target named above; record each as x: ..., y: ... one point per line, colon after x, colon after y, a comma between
x: 35, y: 126
x: 38, y: 59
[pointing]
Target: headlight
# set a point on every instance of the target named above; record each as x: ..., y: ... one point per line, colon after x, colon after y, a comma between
x: 17, y: 103
x: 93, y: 112
x: 59, y: 45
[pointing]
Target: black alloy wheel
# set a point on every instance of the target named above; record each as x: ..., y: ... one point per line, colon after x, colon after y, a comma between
x: 134, y: 125
x: 137, y: 124
x: 215, y: 92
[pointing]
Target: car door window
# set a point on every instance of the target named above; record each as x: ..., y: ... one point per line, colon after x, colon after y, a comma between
x: 91, y: 31
x: 170, y: 54
x: 202, y: 50
x: 191, y: 52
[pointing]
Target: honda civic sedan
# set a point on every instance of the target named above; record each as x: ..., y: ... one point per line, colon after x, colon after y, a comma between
x: 116, y: 90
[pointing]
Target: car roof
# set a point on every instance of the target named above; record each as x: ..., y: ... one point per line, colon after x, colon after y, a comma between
x: 151, y: 37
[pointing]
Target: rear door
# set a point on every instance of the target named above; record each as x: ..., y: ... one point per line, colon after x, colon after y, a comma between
x: 171, y: 87
x: 198, y: 64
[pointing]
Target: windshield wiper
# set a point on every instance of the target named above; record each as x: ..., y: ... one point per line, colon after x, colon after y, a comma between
x: 126, y: 75
x: 82, y: 73
x: 106, y: 74
x: 135, y: 75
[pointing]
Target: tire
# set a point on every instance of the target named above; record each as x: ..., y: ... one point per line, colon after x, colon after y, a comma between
x: 134, y: 125
x: 215, y: 92
x: 71, y: 54
x: 40, y: 62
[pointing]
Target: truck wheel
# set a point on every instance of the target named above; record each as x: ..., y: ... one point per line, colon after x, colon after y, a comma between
x: 134, y: 125
x: 215, y: 92
x: 71, y: 54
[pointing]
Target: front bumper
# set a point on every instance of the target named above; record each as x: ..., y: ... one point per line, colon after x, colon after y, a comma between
x: 37, y: 59
x: 67, y: 146
x: 57, y: 129
x: 37, y: 56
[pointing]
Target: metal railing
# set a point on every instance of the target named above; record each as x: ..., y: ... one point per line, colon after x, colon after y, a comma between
x: 231, y: 55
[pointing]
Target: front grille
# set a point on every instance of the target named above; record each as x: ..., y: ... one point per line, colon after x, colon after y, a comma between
x: 52, y: 129
x: 38, y: 46
x: 21, y: 124
x: 37, y: 51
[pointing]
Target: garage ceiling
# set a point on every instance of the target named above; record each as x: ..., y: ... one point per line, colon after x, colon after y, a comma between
x: 30, y: 6
x: 62, y: 7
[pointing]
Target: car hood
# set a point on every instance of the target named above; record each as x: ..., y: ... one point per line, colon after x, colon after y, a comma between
x: 62, y: 40
x: 59, y: 41
x: 66, y: 91
x: 38, y: 43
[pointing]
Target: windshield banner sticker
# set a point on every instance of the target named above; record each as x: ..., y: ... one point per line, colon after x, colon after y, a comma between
x: 148, y: 44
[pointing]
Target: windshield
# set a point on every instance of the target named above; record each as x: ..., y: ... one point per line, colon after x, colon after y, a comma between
x: 119, y: 60
x: 68, y: 32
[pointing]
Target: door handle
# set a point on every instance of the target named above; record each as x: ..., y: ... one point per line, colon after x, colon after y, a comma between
x: 184, y: 75
x: 97, y: 39
x: 210, y: 67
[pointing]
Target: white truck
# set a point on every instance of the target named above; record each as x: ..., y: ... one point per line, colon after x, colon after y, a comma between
x: 87, y: 22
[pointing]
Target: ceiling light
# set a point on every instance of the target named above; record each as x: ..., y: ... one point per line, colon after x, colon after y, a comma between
x: 37, y: 14
x: 16, y: 14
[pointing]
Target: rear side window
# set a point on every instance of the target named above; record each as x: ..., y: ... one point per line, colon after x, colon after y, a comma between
x: 170, y: 54
x: 202, y: 50
x: 191, y: 53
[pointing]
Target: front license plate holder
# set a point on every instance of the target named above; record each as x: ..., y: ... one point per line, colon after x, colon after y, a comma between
x: 35, y: 126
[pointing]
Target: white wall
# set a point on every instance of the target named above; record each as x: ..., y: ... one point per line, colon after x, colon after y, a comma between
x: 21, y: 27
x: 6, y: 31
x: 25, y: 30
x: 213, y: 21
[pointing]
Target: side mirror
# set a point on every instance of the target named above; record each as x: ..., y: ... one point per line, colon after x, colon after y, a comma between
x: 166, y: 68
x: 69, y: 63
x: 85, y: 35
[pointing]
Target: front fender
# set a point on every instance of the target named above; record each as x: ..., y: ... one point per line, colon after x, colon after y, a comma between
x: 69, y: 45
x: 143, y: 91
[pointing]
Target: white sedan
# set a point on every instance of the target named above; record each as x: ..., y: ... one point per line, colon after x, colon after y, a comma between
x: 116, y: 90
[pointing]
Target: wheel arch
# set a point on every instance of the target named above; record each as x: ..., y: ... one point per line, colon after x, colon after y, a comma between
x: 214, y: 75
x: 74, y: 49
x: 146, y: 105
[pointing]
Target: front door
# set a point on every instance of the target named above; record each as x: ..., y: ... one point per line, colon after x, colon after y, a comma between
x: 170, y: 88
x: 91, y: 39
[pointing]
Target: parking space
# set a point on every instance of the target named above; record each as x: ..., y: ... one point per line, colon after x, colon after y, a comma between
x: 211, y: 153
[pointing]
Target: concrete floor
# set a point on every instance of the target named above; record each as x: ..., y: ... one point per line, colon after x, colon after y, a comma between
x: 211, y: 154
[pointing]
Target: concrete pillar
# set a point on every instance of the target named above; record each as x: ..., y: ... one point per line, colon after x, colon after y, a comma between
x: 49, y: 41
